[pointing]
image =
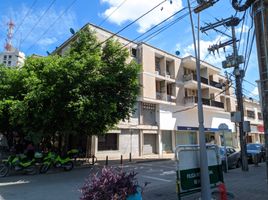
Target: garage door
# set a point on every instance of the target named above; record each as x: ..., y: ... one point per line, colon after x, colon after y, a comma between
x: 149, y: 146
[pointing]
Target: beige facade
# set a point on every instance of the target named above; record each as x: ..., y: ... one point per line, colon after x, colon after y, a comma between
x: 166, y: 110
x: 253, y: 114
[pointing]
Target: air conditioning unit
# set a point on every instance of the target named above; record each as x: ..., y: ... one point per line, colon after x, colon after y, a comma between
x: 167, y: 76
x: 156, y: 72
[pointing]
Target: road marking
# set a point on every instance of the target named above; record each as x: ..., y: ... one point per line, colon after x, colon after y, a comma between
x: 168, y: 172
x: 155, y: 178
x: 14, y: 183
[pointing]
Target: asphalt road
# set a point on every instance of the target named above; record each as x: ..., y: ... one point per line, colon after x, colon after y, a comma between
x: 61, y: 185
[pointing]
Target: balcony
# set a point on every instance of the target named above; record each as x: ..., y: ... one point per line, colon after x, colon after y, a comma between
x: 215, y: 84
x: 171, y: 98
x: 207, y: 102
x: 192, y: 77
x: 161, y: 96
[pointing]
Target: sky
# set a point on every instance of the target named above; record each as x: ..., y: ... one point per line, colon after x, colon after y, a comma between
x: 41, y: 26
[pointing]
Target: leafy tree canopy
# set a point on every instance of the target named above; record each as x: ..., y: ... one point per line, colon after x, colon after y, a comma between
x: 87, y: 90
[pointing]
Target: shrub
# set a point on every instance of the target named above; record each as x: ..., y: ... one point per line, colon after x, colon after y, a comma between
x: 110, y: 184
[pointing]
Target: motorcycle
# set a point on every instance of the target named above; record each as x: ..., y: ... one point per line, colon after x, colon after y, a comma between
x: 52, y: 159
x: 17, y: 163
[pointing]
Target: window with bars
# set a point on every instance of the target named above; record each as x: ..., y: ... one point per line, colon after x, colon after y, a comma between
x: 260, y: 116
x: 250, y: 114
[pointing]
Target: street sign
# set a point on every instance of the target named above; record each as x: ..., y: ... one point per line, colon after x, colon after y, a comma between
x: 188, y: 168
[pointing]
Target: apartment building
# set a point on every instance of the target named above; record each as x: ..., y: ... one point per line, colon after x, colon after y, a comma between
x: 12, y: 57
x: 253, y: 114
x: 166, y: 110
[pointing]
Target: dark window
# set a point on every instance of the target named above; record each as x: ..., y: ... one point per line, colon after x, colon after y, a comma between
x: 5, y: 62
x: 133, y: 52
x: 260, y: 116
x: 250, y: 114
x: 108, y: 141
x: 5, y: 57
x: 9, y: 63
x: 10, y: 56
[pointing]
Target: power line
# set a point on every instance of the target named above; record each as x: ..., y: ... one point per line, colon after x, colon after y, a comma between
x: 155, y: 26
x: 52, y: 24
x: 26, y: 15
x: 37, y: 22
x: 154, y: 34
x: 131, y: 23
x: 112, y: 12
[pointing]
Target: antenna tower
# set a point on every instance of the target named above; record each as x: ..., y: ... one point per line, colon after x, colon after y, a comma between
x: 8, y: 45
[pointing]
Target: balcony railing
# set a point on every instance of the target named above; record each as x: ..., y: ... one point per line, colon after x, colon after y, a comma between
x: 171, y: 98
x: 205, y: 101
x: 215, y: 84
x: 161, y: 96
x: 188, y: 77
x: 217, y: 104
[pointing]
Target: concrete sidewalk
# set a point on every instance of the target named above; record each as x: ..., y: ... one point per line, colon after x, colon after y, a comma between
x: 248, y: 185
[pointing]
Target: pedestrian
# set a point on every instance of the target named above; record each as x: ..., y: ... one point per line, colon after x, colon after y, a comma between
x: 30, y: 151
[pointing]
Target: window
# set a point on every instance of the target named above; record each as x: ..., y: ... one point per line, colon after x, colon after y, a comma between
x: 5, y: 57
x: 10, y: 56
x: 108, y: 142
x: 259, y: 115
x: 250, y: 114
x: 133, y: 52
x: 5, y: 62
x: 9, y: 63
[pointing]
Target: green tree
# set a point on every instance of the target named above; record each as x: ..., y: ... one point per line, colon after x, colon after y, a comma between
x: 86, y: 91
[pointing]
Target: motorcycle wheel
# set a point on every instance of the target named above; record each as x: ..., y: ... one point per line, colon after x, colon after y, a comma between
x: 30, y: 170
x: 68, y: 166
x: 4, y: 170
x: 44, y: 168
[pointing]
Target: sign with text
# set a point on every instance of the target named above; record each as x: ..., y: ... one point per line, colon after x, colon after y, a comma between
x: 188, y: 167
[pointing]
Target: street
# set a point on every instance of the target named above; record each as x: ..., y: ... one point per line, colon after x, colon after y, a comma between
x: 59, y: 185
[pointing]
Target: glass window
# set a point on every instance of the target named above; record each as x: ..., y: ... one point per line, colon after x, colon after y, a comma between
x: 108, y: 142
x: 186, y: 137
x: 10, y: 56
x: 250, y: 114
x: 5, y: 57
x: 9, y: 63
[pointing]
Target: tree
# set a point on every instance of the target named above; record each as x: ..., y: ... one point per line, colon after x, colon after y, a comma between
x: 86, y: 91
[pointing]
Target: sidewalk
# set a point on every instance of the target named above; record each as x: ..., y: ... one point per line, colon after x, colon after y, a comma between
x: 248, y: 185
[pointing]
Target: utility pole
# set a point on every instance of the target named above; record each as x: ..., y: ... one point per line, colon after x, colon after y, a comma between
x: 204, y: 173
x: 260, y: 14
x: 233, y: 61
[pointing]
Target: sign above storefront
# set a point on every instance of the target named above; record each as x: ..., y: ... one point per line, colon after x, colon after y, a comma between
x: 188, y: 128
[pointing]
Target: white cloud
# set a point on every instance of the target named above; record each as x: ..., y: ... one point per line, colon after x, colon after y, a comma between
x: 47, y: 41
x: 131, y: 10
x: 25, y: 37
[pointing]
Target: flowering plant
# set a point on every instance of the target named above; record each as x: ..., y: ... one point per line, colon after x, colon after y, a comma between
x: 110, y: 184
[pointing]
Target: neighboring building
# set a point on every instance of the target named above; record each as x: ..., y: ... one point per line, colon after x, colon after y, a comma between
x: 253, y: 114
x: 166, y: 110
x: 12, y: 58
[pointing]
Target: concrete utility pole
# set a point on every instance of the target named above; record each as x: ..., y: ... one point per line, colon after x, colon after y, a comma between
x: 233, y: 61
x: 205, y: 182
x: 260, y: 13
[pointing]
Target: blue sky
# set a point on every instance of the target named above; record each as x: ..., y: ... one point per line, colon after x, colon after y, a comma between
x: 37, y: 34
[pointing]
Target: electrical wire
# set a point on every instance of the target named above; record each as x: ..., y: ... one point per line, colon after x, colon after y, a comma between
x: 37, y: 22
x: 105, y: 19
x: 52, y: 24
x: 26, y: 15
x: 131, y: 23
x: 155, y: 26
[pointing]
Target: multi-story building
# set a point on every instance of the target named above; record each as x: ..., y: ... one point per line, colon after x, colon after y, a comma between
x: 12, y: 57
x: 166, y: 110
x: 253, y: 114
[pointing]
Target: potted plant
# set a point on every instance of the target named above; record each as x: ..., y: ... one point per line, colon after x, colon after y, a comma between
x: 112, y: 184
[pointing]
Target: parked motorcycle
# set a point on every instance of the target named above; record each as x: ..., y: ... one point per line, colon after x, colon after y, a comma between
x: 17, y: 163
x: 52, y: 159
